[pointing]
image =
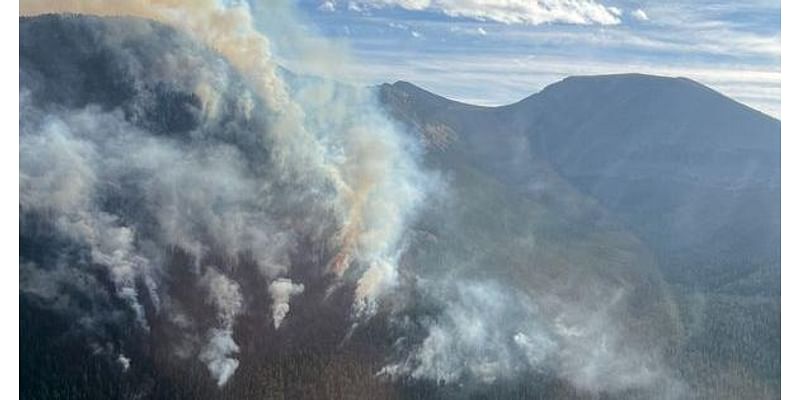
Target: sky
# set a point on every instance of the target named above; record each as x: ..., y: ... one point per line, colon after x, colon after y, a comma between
x: 494, y: 52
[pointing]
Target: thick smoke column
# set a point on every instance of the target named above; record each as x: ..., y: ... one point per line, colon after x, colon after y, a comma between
x: 331, y: 167
x: 281, y: 291
x: 224, y: 295
x: 357, y: 178
x: 274, y: 163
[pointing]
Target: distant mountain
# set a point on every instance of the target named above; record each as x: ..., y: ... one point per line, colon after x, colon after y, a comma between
x: 690, y: 172
x: 686, y: 167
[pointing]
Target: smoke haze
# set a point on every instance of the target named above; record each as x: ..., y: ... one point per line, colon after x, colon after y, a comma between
x: 260, y: 186
x: 331, y: 169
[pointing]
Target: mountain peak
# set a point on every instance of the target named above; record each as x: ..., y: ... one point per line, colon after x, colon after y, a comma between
x: 644, y: 86
x: 409, y: 90
x: 409, y: 87
x: 677, y: 95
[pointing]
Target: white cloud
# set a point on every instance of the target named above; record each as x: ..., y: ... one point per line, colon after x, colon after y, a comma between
x: 640, y: 15
x: 734, y: 59
x: 582, y: 12
x: 398, y: 25
x: 327, y: 6
x: 465, y: 77
x: 354, y: 6
x: 482, y: 31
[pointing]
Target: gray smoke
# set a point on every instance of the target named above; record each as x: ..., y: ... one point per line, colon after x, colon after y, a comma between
x: 224, y: 296
x: 481, y: 333
x: 217, y: 355
x: 281, y: 291
x: 267, y: 165
x: 262, y: 166
x: 489, y: 331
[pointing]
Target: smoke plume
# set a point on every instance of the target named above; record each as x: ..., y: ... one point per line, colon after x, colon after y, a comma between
x: 281, y: 291
x: 211, y: 180
x: 359, y: 176
x: 261, y: 165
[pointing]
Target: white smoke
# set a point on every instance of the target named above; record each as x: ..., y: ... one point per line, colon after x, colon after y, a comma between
x: 57, y: 178
x: 266, y: 165
x: 218, y: 352
x: 217, y: 355
x: 482, y: 328
x: 377, y: 280
x: 281, y: 291
x: 489, y: 330
x: 124, y: 362
x: 341, y: 141
x: 311, y: 160
x: 224, y: 295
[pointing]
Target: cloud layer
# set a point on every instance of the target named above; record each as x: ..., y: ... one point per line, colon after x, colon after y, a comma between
x: 582, y: 12
x: 717, y: 38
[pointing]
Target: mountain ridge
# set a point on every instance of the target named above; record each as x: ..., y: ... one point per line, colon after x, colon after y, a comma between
x: 692, y: 173
x: 410, y: 86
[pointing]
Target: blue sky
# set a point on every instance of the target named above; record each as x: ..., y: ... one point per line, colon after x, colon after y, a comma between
x: 495, y: 52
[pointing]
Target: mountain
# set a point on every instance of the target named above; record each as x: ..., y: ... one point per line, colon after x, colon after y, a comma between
x: 609, y: 237
x: 691, y: 173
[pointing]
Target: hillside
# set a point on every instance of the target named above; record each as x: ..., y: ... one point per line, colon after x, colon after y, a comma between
x: 692, y: 174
